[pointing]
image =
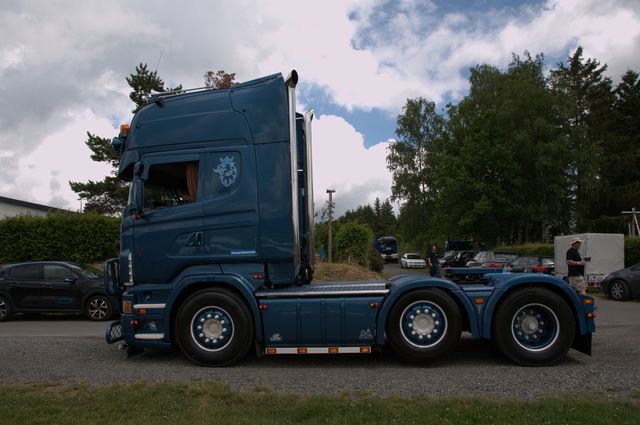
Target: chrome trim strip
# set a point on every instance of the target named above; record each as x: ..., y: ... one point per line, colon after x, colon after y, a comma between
x: 317, y: 350
x: 149, y: 336
x: 137, y: 306
x: 315, y: 294
x: 355, y: 285
x: 293, y: 150
x: 311, y: 254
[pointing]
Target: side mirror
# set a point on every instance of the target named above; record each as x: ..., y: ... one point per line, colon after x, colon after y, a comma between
x: 138, y: 169
x: 136, y: 200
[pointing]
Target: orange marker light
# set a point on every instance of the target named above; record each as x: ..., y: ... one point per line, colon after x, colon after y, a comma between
x: 126, y: 307
x: 142, y: 311
x: 124, y: 129
x: 588, y: 301
x: 333, y: 350
x: 271, y: 351
x: 365, y: 350
x: 302, y: 351
x: 478, y: 300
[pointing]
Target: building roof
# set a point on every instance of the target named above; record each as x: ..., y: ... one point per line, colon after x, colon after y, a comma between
x: 32, y: 205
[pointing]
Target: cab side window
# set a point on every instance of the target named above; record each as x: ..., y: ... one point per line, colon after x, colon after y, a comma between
x: 171, y: 184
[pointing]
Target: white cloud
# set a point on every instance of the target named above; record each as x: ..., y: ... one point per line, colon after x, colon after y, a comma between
x: 341, y: 162
x: 43, y: 175
x: 63, y: 63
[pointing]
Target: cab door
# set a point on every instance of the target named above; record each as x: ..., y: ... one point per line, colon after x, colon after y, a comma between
x: 167, y: 234
x: 231, y: 206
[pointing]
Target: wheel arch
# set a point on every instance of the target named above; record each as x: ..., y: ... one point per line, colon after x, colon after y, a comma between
x: 562, y: 289
x: 469, y: 316
x: 192, y: 284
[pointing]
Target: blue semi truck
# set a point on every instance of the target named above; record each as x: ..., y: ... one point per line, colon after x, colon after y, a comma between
x: 217, y: 251
x: 387, y: 247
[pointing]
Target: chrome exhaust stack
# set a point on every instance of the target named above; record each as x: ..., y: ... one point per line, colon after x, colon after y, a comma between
x: 291, y: 82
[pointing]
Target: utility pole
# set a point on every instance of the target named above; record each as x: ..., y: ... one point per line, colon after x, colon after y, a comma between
x: 330, y: 214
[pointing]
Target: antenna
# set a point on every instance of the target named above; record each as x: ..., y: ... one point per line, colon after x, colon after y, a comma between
x: 159, y: 59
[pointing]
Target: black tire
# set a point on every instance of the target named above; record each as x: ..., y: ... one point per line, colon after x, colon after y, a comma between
x: 98, y: 308
x: 424, y: 325
x: 214, y: 327
x: 5, y: 308
x: 619, y: 290
x: 534, y: 327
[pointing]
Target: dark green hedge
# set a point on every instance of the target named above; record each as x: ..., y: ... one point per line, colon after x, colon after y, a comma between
x: 631, y: 250
x: 83, y: 238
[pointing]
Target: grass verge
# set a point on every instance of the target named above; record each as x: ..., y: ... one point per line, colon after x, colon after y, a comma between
x: 200, y: 403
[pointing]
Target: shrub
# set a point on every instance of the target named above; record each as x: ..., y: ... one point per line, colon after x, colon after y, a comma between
x: 376, y: 263
x: 83, y: 238
x: 353, y: 242
x: 631, y: 251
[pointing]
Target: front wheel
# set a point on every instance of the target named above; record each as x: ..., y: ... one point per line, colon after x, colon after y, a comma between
x: 98, y: 308
x: 534, y: 327
x: 424, y: 325
x: 214, y: 327
x: 619, y: 290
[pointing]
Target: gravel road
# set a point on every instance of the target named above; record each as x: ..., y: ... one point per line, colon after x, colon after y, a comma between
x: 72, y: 350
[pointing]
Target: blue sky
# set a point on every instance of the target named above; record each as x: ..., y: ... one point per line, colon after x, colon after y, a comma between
x: 63, y: 64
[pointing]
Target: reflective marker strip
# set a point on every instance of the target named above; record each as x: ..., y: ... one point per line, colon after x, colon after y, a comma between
x: 318, y: 350
x: 149, y: 336
x: 137, y: 306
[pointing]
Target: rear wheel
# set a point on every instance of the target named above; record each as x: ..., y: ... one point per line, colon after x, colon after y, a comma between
x: 214, y: 327
x: 5, y: 308
x: 619, y: 290
x: 534, y: 327
x: 424, y: 325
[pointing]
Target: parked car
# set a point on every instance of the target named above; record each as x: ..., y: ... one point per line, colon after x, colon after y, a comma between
x: 411, y: 260
x: 491, y: 259
x: 53, y: 287
x: 457, y: 259
x: 531, y: 264
x: 622, y: 284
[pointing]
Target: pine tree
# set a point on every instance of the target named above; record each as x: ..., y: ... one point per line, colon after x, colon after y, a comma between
x: 110, y: 195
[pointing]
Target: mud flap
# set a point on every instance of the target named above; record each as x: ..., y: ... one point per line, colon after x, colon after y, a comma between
x: 582, y: 343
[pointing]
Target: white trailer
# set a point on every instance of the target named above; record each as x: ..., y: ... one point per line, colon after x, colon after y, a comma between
x: 605, y: 249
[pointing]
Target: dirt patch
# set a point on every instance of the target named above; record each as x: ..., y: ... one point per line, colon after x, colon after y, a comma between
x: 338, y: 271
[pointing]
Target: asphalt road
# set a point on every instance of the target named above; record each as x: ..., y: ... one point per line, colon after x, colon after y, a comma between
x: 70, y: 350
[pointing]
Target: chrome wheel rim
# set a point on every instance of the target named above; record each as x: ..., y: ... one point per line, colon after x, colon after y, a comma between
x: 617, y: 290
x: 535, y: 327
x: 98, y: 308
x: 4, y: 308
x: 212, y: 328
x: 423, y: 324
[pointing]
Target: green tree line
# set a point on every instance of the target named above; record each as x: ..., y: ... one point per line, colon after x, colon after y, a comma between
x: 523, y: 157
